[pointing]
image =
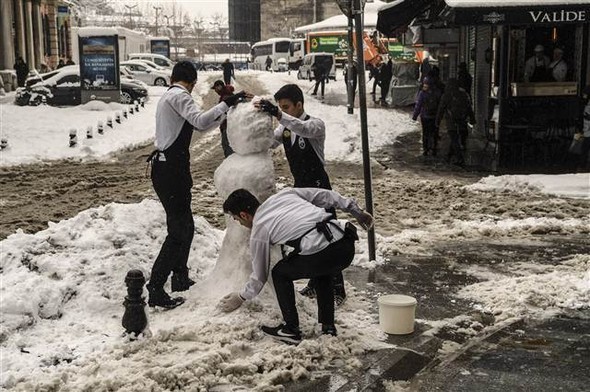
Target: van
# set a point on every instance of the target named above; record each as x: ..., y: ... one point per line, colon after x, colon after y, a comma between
x: 159, y: 59
x: 311, y: 59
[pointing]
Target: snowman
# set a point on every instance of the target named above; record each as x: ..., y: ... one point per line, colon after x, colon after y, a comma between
x: 250, y: 134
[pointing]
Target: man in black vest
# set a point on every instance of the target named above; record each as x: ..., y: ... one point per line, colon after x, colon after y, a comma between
x: 303, y: 138
x: 177, y: 116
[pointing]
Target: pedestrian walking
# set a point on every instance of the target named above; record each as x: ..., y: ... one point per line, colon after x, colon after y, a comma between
x: 351, y: 84
x: 464, y: 79
x: 321, y: 72
x: 228, y: 71
x: 385, y: 74
x: 224, y: 91
x: 177, y: 115
x: 323, y: 246
x: 374, y: 69
x: 22, y: 71
x: 426, y: 108
x: 268, y: 63
x: 455, y: 107
x: 303, y: 138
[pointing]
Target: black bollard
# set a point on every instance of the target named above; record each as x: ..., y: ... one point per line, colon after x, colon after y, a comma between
x: 118, y: 118
x: 3, y: 143
x: 109, y: 122
x: 136, y: 104
x: 73, y: 138
x: 125, y: 113
x: 100, y: 128
x: 134, y: 318
x: 130, y: 109
x: 142, y: 102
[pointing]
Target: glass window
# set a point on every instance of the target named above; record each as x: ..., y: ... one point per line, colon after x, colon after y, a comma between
x: 69, y: 79
x: 282, y: 46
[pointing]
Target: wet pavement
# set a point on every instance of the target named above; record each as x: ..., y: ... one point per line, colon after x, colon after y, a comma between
x: 518, y: 354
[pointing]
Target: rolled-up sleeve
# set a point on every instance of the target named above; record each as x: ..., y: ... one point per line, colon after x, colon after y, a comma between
x: 313, y: 128
x: 202, y: 120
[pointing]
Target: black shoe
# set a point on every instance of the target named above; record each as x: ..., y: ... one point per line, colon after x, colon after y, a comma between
x: 282, y: 333
x: 329, y: 330
x: 339, y: 299
x: 308, y: 292
x: 158, y: 297
x: 181, y: 282
x: 314, y: 93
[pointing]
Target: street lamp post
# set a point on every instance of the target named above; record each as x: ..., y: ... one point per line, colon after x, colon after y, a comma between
x: 129, y: 8
x: 158, y: 9
x: 354, y: 9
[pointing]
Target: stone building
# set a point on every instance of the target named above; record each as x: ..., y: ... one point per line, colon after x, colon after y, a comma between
x: 36, y: 30
x: 256, y: 20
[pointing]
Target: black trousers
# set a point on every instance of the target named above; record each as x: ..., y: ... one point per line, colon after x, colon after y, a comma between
x: 429, y: 134
x: 455, y: 146
x: 227, y: 150
x: 173, y: 187
x: 321, y: 266
x: 318, y: 82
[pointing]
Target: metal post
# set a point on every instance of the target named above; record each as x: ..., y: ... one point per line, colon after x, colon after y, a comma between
x: 358, y: 21
x: 349, y: 82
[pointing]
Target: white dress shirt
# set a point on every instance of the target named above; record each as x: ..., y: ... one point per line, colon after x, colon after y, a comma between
x: 313, y: 129
x: 177, y: 106
x: 287, y: 216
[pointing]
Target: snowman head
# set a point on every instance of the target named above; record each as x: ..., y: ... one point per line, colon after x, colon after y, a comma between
x: 249, y: 130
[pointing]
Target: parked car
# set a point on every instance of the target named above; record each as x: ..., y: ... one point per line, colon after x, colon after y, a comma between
x: 147, y: 74
x: 158, y: 59
x: 312, y: 59
x: 156, y: 67
x: 63, y: 89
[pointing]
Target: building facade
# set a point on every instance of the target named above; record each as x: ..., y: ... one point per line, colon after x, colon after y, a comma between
x: 244, y: 20
x: 36, y: 30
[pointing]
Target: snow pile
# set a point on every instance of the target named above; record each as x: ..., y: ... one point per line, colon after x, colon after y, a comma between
x: 249, y: 130
x: 63, y: 290
x: 534, y: 290
x: 566, y: 185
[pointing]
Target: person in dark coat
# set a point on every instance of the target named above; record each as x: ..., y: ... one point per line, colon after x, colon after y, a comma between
x: 464, y: 78
x: 385, y: 76
x: 70, y: 61
x: 455, y: 107
x: 60, y: 64
x: 321, y: 72
x: 268, y: 63
x: 374, y: 69
x: 224, y: 91
x: 22, y: 71
x: 426, y: 108
x: 354, y: 74
x: 228, y: 71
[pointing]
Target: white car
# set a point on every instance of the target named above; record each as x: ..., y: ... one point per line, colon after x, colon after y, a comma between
x: 159, y: 59
x: 147, y: 74
x: 155, y: 66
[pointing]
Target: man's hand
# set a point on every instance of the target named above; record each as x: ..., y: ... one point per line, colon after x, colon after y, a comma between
x: 239, y: 97
x: 230, y: 302
x: 268, y: 107
x: 365, y: 220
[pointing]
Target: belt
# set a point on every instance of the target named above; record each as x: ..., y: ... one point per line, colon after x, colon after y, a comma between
x: 156, y: 155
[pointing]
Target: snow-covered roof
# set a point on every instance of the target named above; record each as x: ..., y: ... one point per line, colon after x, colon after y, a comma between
x: 64, y: 71
x: 95, y: 31
x: 509, y: 3
x: 339, y: 22
x: 159, y: 38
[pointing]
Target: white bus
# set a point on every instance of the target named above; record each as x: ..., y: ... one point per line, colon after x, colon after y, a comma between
x: 297, y: 50
x: 130, y: 41
x: 275, y: 48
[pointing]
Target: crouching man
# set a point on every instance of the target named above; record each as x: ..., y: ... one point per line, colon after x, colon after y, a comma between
x: 322, y: 246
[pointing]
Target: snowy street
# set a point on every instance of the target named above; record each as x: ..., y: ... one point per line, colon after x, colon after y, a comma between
x: 76, y: 219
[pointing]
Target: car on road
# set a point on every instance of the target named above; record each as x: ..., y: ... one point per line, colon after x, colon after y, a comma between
x: 159, y: 59
x: 147, y: 74
x: 311, y: 60
x: 62, y: 88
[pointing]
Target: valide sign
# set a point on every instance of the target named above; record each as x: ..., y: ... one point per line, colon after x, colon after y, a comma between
x: 519, y: 15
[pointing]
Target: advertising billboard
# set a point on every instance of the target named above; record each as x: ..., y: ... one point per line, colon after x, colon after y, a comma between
x: 99, y: 68
x: 160, y: 46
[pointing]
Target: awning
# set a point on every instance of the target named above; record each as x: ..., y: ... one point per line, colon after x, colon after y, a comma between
x: 461, y: 12
x: 399, y: 14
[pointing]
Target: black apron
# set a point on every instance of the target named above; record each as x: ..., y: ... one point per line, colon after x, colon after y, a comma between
x: 540, y: 74
x: 306, y: 167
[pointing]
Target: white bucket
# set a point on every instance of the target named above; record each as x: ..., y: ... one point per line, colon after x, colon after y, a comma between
x: 396, y: 313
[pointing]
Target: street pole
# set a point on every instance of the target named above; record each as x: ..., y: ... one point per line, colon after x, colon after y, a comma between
x: 349, y: 82
x: 157, y: 11
x: 358, y: 21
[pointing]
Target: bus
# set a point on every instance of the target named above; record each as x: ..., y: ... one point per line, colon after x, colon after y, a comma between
x: 297, y: 50
x: 275, y: 48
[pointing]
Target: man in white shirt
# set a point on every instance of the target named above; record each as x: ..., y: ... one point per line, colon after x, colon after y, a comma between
x: 558, y: 67
x: 177, y: 115
x: 535, y: 68
x: 303, y: 138
x: 322, y: 246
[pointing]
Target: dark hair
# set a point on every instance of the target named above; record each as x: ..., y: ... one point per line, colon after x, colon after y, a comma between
x: 292, y: 92
x: 241, y: 200
x: 184, y: 71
